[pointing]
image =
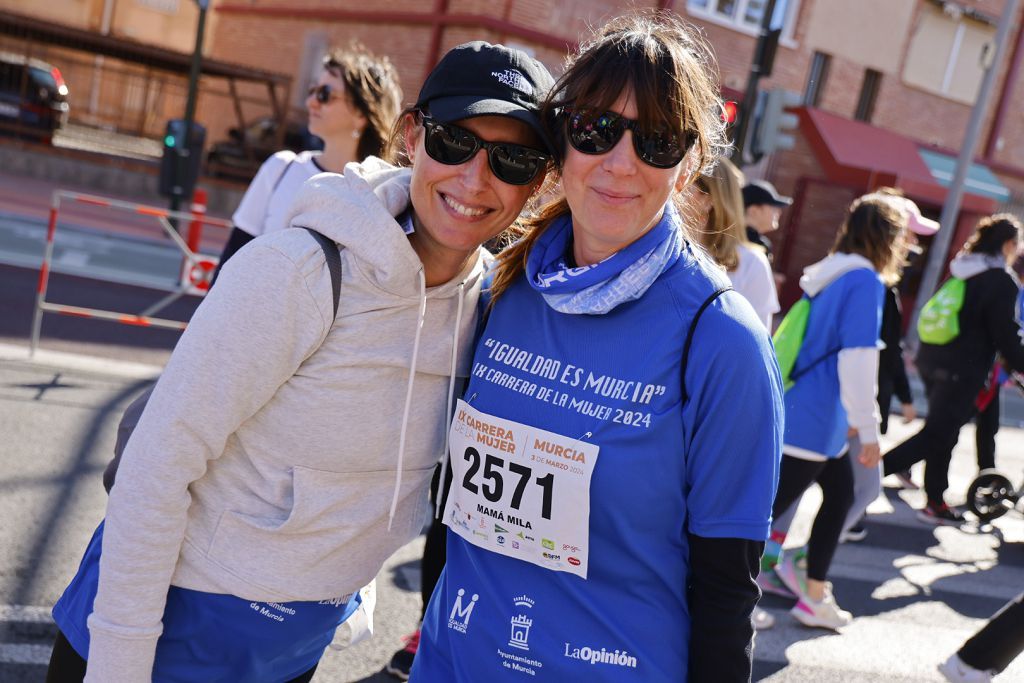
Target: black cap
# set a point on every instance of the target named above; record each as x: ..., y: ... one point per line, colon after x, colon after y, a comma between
x: 479, y: 79
x: 762, y: 192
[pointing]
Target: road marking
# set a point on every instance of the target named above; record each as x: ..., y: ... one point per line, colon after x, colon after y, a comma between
x: 83, y: 363
x: 25, y: 654
x: 25, y: 614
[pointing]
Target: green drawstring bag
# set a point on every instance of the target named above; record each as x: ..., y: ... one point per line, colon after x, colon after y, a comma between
x: 789, y: 337
x: 939, y: 322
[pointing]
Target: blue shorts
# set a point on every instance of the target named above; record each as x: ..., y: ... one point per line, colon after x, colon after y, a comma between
x: 215, y: 637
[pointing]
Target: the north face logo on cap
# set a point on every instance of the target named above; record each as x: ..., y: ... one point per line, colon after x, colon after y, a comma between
x: 514, y: 80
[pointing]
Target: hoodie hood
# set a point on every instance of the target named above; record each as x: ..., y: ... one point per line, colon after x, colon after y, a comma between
x: 819, y: 275
x: 358, y: 210
x: 966, y: 266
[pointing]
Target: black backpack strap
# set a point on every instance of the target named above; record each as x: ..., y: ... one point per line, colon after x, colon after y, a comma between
x: 689, y: 336
x: 333, y: 255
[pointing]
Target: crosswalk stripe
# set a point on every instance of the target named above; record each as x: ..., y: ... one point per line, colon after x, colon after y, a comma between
x: 25, y: 614
x: 15, y: 653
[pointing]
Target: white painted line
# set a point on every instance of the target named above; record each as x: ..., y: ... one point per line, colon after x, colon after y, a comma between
x: 74, y: 361
x: 25, y: 614
x: 12, y: 653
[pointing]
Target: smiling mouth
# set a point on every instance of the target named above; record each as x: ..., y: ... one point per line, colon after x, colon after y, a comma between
x: 462, y: 209
x: 614, y: 197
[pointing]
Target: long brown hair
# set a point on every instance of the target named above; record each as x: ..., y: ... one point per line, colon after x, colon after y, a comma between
x: 670, y: 71
x: 371, y: 85
x: 992, y: 233
x: 725, y: 228
x: 875, y: 227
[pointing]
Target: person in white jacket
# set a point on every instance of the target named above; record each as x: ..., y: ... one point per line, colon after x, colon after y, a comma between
x: 285, y: 452
x: 719, y: 204
x: 833, y: 394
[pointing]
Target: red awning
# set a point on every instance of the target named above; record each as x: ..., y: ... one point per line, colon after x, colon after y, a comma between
x: 859, y: 154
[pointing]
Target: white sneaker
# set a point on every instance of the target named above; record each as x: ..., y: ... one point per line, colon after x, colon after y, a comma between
x: 824, y: 614
x: 958, y: 671
x: 792, y: 571
x: 763, y: 619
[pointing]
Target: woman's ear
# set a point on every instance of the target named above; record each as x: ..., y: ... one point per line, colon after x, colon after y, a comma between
x: 689, y: 172
x: 682, y: 181
x: 411, y: 136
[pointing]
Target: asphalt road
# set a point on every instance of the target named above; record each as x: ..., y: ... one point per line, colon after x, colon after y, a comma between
x: 918, y: 592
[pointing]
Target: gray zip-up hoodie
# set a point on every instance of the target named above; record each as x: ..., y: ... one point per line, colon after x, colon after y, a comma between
x: 284, y: 455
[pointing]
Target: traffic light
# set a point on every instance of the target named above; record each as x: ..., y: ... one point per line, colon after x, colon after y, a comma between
x: 730, y: 110
x: 775, y: 125
x: 179, y: 166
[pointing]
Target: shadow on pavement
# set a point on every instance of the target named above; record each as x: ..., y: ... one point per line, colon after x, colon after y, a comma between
x: 78, y: 465
x: 381, y: 676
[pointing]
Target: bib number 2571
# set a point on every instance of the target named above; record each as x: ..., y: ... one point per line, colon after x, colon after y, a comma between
x: 492, y: 480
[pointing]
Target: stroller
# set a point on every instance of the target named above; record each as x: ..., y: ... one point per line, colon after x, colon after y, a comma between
x: 991, y: 495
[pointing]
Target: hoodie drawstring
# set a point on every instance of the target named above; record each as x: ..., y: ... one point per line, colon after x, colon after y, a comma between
x: 448, y: 410
x: 408, y: 396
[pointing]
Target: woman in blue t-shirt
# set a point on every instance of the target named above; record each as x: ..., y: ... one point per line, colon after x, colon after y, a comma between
x: 834, y: 391
x: 608, y: 509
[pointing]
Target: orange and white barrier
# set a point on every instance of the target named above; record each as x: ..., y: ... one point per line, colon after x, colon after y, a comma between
x: 196, y: 270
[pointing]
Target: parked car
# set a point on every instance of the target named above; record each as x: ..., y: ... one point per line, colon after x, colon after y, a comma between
x: 33, y: 97
x: 232, y: 158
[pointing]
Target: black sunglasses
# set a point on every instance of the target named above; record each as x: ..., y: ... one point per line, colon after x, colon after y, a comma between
x: 510, y: 163
x: 323, y: 93
x: 596, y: 132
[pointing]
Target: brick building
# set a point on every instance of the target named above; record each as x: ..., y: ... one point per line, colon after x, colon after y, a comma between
x: 887, y: 85
x: 113, y: 94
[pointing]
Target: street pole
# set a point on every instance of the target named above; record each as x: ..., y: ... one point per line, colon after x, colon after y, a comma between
x: 750, y: 94
x: 190, y: 103
x: 951, y: 207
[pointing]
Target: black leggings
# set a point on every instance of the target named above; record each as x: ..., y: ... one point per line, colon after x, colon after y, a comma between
x: 67, y: 666
x: 836, y: 480
x: 1000, y: 641
x: 986, y: 425
x: 950, y: 407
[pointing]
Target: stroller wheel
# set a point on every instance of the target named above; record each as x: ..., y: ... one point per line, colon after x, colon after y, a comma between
x: 990, y: 496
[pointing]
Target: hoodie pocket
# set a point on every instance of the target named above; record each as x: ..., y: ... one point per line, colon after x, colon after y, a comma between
x: 335, y: 539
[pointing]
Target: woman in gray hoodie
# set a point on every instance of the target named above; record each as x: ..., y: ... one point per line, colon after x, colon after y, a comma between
x: 285, y: 452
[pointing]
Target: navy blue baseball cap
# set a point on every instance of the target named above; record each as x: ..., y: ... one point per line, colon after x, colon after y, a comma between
x: 481, y: 79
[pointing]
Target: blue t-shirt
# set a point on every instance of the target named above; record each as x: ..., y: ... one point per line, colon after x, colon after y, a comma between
x: 212, y: 637
x: 707, y: 466
x: 846, y: 314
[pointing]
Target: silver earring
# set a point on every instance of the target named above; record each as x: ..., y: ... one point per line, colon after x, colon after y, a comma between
x: 356, y: 133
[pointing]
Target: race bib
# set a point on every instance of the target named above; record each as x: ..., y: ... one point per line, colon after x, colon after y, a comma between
x: 520, y: 491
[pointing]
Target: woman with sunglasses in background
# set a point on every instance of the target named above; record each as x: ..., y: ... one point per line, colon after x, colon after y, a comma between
x: 608, y: 510
x: 352, y: 107
x: 286, y: 452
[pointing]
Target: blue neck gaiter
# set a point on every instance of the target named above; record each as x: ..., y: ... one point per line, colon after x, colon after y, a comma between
x: 600, y: 287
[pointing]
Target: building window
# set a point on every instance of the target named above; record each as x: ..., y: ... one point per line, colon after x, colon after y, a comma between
x: 165, y: 6
x: 817, y: 78
x: 868, y: 94
x: 946, y: 54
x: 745, y: 15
